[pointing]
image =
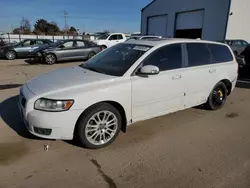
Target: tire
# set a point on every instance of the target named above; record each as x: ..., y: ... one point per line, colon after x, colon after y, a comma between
x: 91, y: 54
x: 10, y: 55
x: 50, y: 59
x: 94, y: 138
x: 217, y: 97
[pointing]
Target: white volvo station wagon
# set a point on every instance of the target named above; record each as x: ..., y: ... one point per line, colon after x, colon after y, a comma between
x: 129, y: 82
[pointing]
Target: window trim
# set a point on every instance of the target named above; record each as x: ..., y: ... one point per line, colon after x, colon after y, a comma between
x: 182, y: 57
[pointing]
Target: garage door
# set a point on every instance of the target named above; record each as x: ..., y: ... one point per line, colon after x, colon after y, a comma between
x: 190, y: 20
x: 157, y: 25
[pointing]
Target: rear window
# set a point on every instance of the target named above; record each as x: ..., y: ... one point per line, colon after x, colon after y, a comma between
x: 198, y: 54
x: 220, y: 53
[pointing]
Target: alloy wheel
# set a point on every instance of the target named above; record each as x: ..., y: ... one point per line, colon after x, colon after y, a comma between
x: 101, y: 127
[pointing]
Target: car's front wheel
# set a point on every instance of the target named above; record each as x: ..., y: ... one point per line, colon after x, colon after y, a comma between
x: 99, y: 126
x: 10, y: 55
x: 217, y: 97
x: 91, y: 54
x: 50, y: 59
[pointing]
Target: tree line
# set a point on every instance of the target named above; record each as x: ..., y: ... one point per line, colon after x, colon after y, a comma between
x: 42, y: 27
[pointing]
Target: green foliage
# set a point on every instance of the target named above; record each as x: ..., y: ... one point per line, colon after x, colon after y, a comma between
x: 44, y: 27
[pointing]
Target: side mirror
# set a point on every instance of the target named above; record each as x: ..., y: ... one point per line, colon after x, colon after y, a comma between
x: 149, y: 70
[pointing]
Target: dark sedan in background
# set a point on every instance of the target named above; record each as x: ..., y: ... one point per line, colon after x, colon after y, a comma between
x: 67, y: 50
x: 237, y: 45
x: 22, y: 49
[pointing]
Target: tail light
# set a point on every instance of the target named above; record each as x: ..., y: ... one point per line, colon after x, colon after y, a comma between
x: 101, y: 48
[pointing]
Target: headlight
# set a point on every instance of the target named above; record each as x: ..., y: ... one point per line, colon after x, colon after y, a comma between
x: 53, y: 105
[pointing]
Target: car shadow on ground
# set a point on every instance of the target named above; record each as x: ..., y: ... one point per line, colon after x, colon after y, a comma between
x: 32, y: 62
x: 9, y: 86
x: 11, y: 116
x: 243, y: 84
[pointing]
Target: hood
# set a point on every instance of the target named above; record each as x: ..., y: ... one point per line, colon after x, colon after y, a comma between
x: 64, y: 79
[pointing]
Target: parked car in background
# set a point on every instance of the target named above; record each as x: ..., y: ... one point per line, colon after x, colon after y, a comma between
x: 144, y: 37
x: 238, y: 46
x: 108, y: 40
x: 67, y: 50
x: 22, y: 49
x: 129, y: 82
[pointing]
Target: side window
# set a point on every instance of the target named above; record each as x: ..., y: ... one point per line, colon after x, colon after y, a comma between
x: 198, y: 54
x: 119, y: 37
x: 68, y: 44
x: 46, y: 42
x: 166, y: 58
x: 39, y: 42
x: 80, y: 44
x: 28, y: 43
x: 237, y: 43
x: 220, y: 53
x: 244, y: 43
x: 113, y: 37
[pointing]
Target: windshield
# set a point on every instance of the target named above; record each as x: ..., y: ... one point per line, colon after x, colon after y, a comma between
x: 105, y: 36
x: 116, y: 60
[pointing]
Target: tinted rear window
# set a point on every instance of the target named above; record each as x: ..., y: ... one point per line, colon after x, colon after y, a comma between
x: 198, y: 54
x: 220, y: 53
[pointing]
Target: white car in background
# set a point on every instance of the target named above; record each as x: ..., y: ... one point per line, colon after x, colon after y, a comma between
x: 129, y: 82
x: 146, y: 37
x: 108, y: 40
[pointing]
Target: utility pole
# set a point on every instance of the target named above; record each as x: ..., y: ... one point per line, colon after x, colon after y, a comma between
x: 66, y: 15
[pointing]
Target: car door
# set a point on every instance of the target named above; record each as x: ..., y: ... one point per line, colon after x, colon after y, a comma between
x: 156, y: 95
x: 121, y: 38
x: 26, y: 48
x: 82, y: 50
x: 200, y: 74
x: 66, y: 50
x: 113, y: 39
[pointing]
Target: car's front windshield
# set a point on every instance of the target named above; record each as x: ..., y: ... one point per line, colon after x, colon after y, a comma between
x: 103, y: 37
x: 116, y: 60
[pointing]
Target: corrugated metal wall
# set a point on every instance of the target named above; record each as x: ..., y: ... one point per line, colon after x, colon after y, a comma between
x: 215, y: 15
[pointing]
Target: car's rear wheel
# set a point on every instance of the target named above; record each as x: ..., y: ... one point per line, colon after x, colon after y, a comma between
x: 99, y: 126
x: 10, y: 55
x: 217, y: 97
x: 50, y: 59
x: 91, y: 54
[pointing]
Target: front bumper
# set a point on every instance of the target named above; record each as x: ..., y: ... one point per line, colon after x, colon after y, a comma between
x: 49, y: 125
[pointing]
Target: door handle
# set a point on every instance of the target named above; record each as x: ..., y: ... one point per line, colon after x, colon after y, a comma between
x: 176, y: 77
x: 212, y: 71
